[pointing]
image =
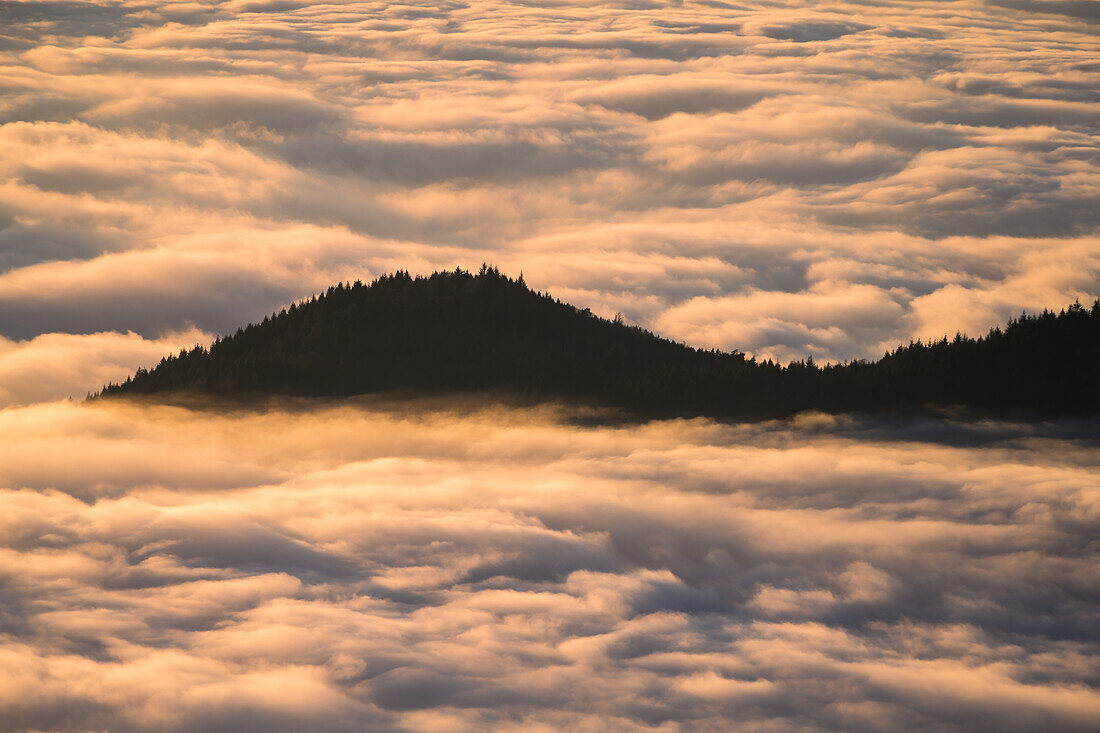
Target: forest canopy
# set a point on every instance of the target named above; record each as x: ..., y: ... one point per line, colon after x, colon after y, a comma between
x: 456, y: 331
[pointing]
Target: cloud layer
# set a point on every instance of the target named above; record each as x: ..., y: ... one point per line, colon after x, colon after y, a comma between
x: 359, y: 567
x: 769, y: 177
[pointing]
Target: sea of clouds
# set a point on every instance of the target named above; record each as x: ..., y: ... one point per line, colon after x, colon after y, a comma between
x: 781, y: 178
x: 350, y: 567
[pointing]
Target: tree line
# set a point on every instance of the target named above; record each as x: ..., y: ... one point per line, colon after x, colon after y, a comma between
x: 458, y: 331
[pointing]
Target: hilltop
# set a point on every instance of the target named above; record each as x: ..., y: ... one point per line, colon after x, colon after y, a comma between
x: 455, y: 332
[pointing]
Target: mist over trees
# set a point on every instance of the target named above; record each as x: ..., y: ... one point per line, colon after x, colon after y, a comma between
x: 462, y: 332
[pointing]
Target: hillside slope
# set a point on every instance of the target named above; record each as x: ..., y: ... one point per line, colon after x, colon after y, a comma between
x: 460, y: 332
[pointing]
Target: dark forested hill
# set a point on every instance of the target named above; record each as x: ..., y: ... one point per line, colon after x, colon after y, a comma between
x: 459, y: 332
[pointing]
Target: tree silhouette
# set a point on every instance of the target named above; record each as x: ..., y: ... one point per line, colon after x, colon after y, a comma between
x: 459, y: 332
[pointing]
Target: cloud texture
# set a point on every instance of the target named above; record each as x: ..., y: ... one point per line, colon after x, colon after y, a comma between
x: 774, y: 177
x: 357, y: 567
x: 769, y: 177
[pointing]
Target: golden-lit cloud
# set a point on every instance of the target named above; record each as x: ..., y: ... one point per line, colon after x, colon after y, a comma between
x: 780, y: 178
x: 59, y: 365
x: 174, y: 164
x: 433, y: 566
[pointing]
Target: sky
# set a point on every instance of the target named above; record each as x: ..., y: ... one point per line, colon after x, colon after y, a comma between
x: 785, y: 179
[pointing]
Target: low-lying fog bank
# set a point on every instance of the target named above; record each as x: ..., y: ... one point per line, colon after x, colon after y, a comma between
x: 353, y: 568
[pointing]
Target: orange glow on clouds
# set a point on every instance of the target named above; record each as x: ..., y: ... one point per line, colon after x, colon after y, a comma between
x: 922, y: 167
x: 780, y: 178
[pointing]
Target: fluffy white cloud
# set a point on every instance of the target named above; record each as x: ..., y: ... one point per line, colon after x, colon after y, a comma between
x: 772, y: 177
x: 466, y: 567
x: 653, y: 160
x: 58, y: 365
